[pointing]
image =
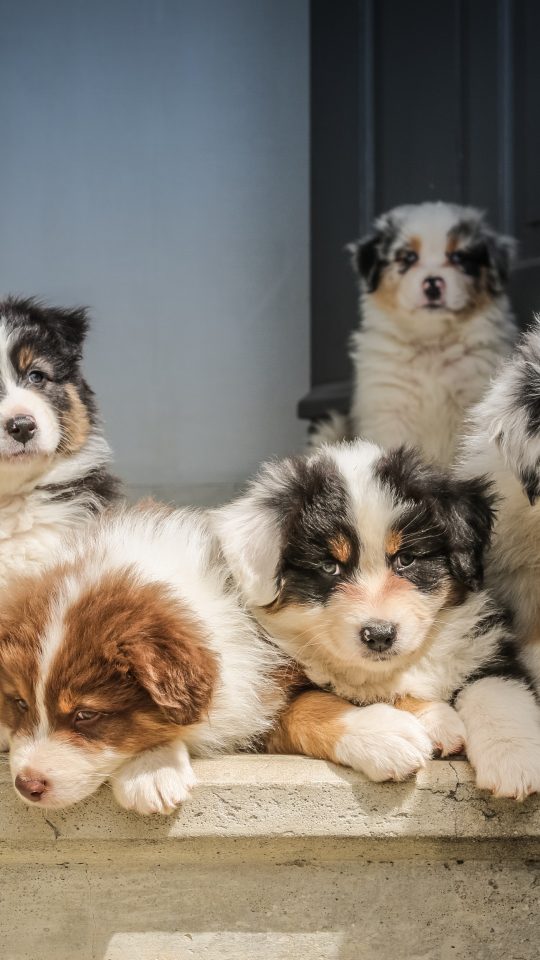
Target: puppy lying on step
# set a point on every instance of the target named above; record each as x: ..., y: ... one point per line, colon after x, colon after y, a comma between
x: 366, y: 568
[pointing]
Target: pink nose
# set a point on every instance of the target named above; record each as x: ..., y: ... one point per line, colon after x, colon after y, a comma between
x: 433, y: 288
x: 32, y: 787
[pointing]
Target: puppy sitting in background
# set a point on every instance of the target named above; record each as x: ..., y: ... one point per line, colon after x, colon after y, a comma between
x: 366, y: 568
x: 435, y: 323
x: 53, y: 457
x: 504, y: 444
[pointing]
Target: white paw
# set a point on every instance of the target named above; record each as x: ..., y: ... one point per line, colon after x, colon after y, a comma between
x: 383, y: 743
x: 156, y: 781
x: 444, y: 727
x: 509, y: 770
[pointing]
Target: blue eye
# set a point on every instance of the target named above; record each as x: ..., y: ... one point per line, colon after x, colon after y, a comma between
x: 456, y: 258
x: 36, y: 376
x: 408, y: 257
x: 331, y: 568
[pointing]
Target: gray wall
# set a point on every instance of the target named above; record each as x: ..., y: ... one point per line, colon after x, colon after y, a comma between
x: 154, y: 165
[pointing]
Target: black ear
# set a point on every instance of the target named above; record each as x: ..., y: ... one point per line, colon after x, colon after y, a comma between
x: 470, y: 517
x: 500, y: 256
x: 367, y: 260
x: 70, y: 325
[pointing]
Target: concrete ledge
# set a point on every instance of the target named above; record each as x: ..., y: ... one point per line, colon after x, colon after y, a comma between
x: 276, y: 857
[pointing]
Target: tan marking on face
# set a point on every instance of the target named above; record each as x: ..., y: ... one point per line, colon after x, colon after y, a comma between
x: 340, y: 548
x: 311, y: 725
x: 385, y: 296
x: 415, y: 243
x: 26, y: 358
x: 75, y: 421
x: 393, y: 542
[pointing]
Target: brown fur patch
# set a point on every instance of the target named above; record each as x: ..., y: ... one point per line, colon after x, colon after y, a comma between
x: 75, y: 422
x: 412, y: 705
x: 129, y: 650
x: 415, y: 243
x: 341, y: 549
x: 24, y: 611
x: 393, y: 542
x: 311, y: 725
x: 26, y: 358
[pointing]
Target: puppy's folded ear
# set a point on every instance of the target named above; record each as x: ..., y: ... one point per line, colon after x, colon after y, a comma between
x: 370, y: 255
x: 470, y: 517
x: 168, y: 656
x: 366, y: 260
x: 501, y: 253
x: 250, y: 532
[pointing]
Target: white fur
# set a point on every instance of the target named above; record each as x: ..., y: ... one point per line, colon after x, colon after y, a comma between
x: 416, y: 371
x: 500, y: 446
x: 383, y: 743
x: 429, y: 665
x: 502, y: 721
x: 156, y: 781
x: 175, y: 549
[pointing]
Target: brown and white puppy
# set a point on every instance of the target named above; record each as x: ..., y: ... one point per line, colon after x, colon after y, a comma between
x: 434, y: 324
x: 366, y: 568
x: 54, y: 460
x: 127, y: 656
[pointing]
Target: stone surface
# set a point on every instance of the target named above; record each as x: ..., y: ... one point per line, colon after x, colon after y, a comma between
x: 276, y: 857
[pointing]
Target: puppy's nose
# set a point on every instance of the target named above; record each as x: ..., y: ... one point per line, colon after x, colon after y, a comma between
x: 378, y: 635
x: 433, y: 288
x: 21, y: 428
x: 32, y: 788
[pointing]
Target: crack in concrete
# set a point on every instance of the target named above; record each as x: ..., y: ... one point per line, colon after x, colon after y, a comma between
x: 54, y: 828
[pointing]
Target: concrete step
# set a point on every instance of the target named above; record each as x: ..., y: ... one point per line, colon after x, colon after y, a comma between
x: 276, y: 857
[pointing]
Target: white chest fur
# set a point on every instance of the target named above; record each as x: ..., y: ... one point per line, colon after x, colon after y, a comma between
x: 416, y: 385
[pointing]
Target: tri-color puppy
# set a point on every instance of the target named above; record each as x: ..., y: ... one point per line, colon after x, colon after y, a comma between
x: 504, y: 444
x: 366, y: 568
x: 434, y: 324
x: 128, y: 656
x: 53, y: 457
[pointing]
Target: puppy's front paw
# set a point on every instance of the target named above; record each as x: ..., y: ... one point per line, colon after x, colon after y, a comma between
x: 444, y: 727
x: 156, y: 781
x: 509, y: 770
x: 383, y: 743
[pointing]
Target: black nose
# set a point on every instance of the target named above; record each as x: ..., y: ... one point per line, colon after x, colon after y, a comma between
x: 378, y: 635
x: 32, y: 788
x: 433, y: 287
x: 21, y: 428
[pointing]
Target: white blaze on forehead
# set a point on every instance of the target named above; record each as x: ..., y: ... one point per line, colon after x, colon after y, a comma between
x: 51, y: 641
x: 372, y: 506
x: 7, y: 372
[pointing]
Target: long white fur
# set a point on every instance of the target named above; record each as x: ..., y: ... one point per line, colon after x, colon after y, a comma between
x: 416, y: 372
x: 175, y: 549
x: 499, y: 445
x: 449, y: 655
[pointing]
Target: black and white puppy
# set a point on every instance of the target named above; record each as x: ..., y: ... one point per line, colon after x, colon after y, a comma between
x: 366, y: 568
x: 435, y: 323
x: 504, y: 444
x: 53, y: 458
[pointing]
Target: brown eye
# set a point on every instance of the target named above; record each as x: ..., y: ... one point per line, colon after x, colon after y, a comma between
x: 85, y: 716
x: 21, y: 705
x: 36, y: 376
x: 404, y: 560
